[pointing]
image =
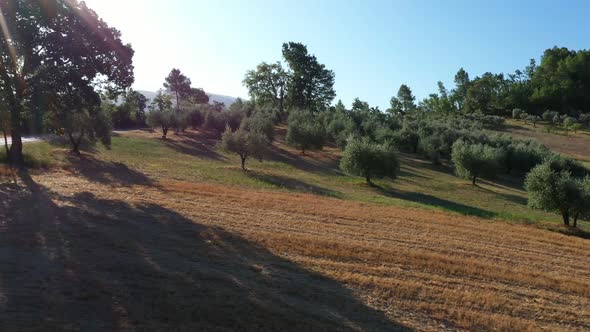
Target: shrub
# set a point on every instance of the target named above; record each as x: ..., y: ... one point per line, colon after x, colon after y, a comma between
x: 369, y: 160
x: 339, y: 127
x: 261, y: 122
x: 214, y: 121
x: 476, y: 160
x: 406, y: 140
x: 560, y: 163
x: 305, y: 132
x: 549, y: 115
x: 245, y: 143
x: 522, y: 156
x: 516, y: 113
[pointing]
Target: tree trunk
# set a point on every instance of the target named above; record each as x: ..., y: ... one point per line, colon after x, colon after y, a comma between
x: 243, y: 158
x: 164, y: 132
x: 15, y: 156
x: 576, y: 219
x: 75, y: 144
x: 473, y: 180
x: 6, y: 143
x: 368, y: 178
x: 566, y: 218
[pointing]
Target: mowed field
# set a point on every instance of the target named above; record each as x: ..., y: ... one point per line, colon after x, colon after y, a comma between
x: 138, y: 239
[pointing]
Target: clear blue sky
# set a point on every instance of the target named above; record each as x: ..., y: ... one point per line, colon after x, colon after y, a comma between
x: 372, y: 46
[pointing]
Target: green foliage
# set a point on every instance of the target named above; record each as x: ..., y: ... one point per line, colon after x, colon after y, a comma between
x: 305, y: 132
x: 339, y: 127
x: 553, y: 190
x: 404, y: 102
x: 406, y: 140
x: 54, y: 54
x: 549, y: 115
x: 177, y: 84
x: 522, y: 156
x: 160, y: 113
x: 259, y: 122
x: 562, y: 80
x: 311, y: 84
x: 369, y: 160
x: 246, y: 142
x: 516, y: 113
x: 476, y: 160
x: 267, y: 85
x: 560, y: 163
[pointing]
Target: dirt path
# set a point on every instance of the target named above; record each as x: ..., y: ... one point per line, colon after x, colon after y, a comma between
x: 86, y: 256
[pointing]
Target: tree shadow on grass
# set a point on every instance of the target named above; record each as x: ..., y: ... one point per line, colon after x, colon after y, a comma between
x: 199, y: 144
x: 436, y: 202
x: 292, y: 184
x: 106, y: 172
x: 85, y: 263
x: 302, y: 163
x: 509, y: 197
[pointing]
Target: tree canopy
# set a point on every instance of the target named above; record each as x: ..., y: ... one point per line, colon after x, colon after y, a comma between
x: 57, y: 47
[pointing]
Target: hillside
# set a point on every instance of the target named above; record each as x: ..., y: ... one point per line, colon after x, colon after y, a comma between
x: 227, y: 100
x: 161, y: 235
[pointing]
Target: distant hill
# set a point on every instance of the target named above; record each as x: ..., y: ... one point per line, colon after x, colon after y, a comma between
x: 227, y: 100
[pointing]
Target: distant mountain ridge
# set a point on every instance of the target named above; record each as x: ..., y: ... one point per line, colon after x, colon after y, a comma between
x: 227, y: 100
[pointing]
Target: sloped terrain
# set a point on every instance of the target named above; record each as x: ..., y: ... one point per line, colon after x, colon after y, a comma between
x: 134, y: 254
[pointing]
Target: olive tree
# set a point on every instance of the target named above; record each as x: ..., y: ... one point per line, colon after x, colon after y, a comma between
x: 245, y: 143
x: 161, y: 113
x: 476, y: 160
x: 364, y: 158
x: 553, y: 190
x: 305, y: 132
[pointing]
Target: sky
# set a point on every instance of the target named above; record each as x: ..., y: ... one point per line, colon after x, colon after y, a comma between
x: 372, y: 46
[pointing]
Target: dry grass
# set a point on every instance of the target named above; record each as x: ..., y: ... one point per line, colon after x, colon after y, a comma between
x: 575, y: 145
x: 135, y: 255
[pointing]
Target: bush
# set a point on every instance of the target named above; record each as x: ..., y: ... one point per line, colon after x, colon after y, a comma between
x: 560, y: 163
x: 476, y: 160
x: 522, y: 156
x: 516, y: 113
x: 245, y: 143
x: 369, y: 160
x: 406, y: 140
x: 305, y: 132
x: 549, y: 115
x: 338, y: 128
x: 214, y: 121
x: 260, y: 122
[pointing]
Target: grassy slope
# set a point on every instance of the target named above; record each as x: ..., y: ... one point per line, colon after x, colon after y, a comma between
x: 193, y: 157
x: 172, y: 235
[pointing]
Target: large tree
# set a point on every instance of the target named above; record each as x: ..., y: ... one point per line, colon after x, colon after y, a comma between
x: 179, y: 85
x: 562, y: 80
x: 311, y: 84
x: 404, y: 102
x: 267, y: 85
x: 459, y: 94
x: 51, y: 44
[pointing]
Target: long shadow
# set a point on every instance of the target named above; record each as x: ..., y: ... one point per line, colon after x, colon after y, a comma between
x: 200, y: 144
x: 106, y: 172
x: 509, y: 197
x: 292, y: 184
x: 436, y: 202
x: 87, y: 264
x: 296, y: 160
